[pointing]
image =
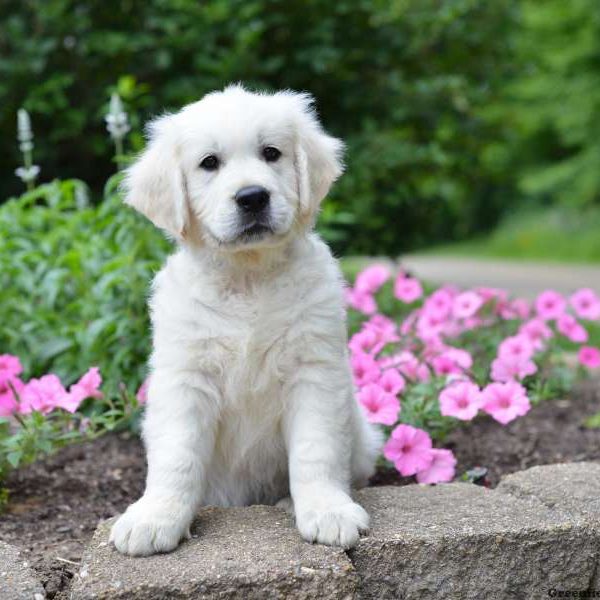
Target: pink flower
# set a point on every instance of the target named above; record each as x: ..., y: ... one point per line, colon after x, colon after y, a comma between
x: 517, y: 309
x: 509, y: 368
x: 517, y: 347
x: 461, y: 399
x: 8, y: 402
x: 466, y: 305
x: 550, y: 305
x: 589, y: 357
x: 142, y: 393
x: 392, y: 382
x: 438, y: 305
x: 444, y: 365
x: 361, y: 301
x: 570, y: 328
x: 586, y: 304
x: 385, y: 328
x: 42, y: 395
x: 380, y: 407
x: 365, y: 341
x: 10, y: 366
x: 409, y: 449
x: 505, y: 401
x: 452, y: 361
x: 489, y: 293
x: 409, y: 365
x: 371, y: 279
x: 441, y: 469
x: 407, y: 289
x: 86, y: 387
x: 364, y: 368
x: 536, y: 331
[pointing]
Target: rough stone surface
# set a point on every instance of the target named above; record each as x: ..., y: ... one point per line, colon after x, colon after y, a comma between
x: 573, y: 488
x: 464, y: 541
x: 17, y: 580
x: 539, y: 531
x: 252, y: 553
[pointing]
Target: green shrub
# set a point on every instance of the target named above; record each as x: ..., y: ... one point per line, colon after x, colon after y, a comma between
x: 74, y: 282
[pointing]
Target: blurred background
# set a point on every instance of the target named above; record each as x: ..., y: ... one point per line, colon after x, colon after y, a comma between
x: 473, y: 127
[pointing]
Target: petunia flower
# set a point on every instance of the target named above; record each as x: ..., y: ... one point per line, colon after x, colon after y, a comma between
x: 466, y: 305
x: 550, y: 305
x: 392, y: 382
x: 364, y: 369
x: 509, y: 368
x: 366, y: 341
x: 10, y: 366
x: 380, y: 406
x: 439, y: 304
x: 589, y: 357
x: 586, y: 304
x: 537, y: 332
x: 518, y: 347
x: 409, y: 449
x: 360, y: 301
x: 42, y: 395
x: 505, y: 401
x: 571, y: 329
x: 461, y: 399
x: 407, y: 289
x: 8, y: 402
x: 142, y: 393
x: 371, y: 279
x: 442, y: 467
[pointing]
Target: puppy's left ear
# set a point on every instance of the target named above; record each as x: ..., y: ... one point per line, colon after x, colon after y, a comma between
x: 318, y: 158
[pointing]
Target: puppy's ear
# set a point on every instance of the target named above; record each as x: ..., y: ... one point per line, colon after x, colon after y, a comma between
x: 318, y: 158
x: 154, y: 185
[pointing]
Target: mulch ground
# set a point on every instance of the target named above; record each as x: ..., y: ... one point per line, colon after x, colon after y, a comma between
x: 55, y: 504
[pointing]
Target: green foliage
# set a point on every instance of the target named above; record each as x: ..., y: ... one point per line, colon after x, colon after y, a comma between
x: 550, y: 109
x: 558, y: 234
x: 74, y: 281
x: 402, y: 81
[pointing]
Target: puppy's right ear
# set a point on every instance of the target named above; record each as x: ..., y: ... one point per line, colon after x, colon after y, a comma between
x: 154, y: 185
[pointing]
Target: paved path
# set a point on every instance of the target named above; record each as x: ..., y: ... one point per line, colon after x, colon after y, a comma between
x: 521, y: 278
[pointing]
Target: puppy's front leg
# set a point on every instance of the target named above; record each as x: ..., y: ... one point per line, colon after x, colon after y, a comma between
x: 318, y: 432
x: 179, y: 435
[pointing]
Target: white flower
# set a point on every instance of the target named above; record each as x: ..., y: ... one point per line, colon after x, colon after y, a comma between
x: 116, y: 119
x: 27, y: 174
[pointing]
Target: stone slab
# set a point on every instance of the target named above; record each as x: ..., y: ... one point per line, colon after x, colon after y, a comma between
x: 248, y: 553
x: 464, y: 541
x: 573, y: 488
x: 17, y: 579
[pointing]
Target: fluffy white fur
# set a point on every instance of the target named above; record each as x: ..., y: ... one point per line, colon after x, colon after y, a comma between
x: 250, y: 397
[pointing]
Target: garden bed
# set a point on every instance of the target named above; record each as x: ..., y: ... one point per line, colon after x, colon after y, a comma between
x: 57, y: 503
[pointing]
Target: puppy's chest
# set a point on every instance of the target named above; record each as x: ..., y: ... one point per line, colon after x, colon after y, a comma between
x: 247, y: 343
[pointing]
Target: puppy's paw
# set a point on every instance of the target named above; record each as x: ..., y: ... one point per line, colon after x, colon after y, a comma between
x: 150, y: 526
x: 334, y: 525
x: 286, y: 504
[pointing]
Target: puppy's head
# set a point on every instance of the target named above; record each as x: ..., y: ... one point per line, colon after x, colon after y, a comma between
x: 236, y: 170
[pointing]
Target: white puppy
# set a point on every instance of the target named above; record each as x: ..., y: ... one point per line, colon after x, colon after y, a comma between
x: 250, y: 397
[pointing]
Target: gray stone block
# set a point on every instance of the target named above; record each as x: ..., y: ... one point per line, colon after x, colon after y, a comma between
x: 464, y: 541
x: 573, y: 488
x: 17, y: 580
x: 248, y: 553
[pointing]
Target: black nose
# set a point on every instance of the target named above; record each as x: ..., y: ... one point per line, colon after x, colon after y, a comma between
x: 252, y: 199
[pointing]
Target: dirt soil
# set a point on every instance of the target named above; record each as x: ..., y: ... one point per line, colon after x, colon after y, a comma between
x: 55, y: 504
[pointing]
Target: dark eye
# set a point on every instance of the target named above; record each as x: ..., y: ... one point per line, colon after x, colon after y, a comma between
x: 271, y: 154
x: 210, y: 163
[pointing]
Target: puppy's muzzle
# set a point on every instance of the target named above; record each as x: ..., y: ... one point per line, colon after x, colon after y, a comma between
x: 252, y: 199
